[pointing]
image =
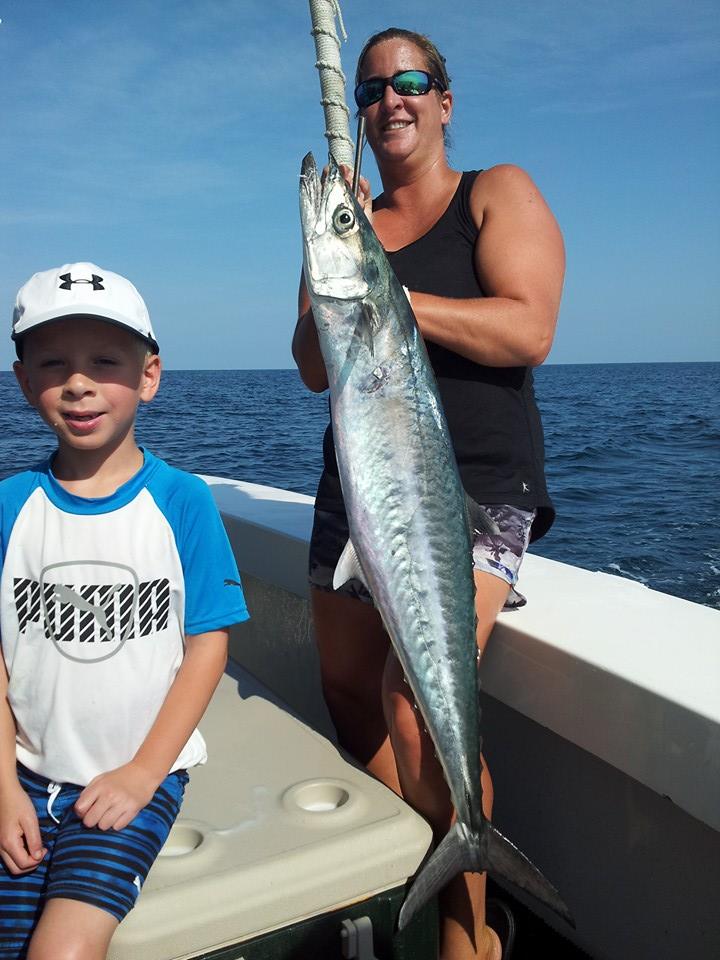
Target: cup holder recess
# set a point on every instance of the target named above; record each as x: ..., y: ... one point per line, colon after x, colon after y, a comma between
x: 182, y: 839
x: 320, y: 797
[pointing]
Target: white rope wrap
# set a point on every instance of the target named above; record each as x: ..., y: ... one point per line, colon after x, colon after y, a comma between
x: 332, y: 79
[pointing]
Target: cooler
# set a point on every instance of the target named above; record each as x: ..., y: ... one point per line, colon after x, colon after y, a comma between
x: 283, y: 851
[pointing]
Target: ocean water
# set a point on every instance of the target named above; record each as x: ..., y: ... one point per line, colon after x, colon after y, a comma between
x: 632, y: 452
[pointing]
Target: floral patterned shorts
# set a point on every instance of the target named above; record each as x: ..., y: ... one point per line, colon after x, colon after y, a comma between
x: 499, y: 554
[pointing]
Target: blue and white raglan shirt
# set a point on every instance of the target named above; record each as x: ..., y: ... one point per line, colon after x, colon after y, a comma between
x: 96, y: 596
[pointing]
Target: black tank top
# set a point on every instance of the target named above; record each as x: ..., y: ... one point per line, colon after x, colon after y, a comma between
x: 491, y: 412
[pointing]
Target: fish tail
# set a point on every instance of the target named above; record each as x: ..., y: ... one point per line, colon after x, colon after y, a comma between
x: 461, y: 851
x: 454, y: 854
x: 506, y: 861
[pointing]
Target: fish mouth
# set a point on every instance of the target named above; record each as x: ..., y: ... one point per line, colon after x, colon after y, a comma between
x: 310, y: 193
x: 314, y: 192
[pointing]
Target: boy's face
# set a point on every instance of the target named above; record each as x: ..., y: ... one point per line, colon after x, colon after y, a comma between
x: 86, y: 378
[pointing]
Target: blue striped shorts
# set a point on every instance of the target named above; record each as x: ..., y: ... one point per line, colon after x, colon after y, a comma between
x: 105, y: 868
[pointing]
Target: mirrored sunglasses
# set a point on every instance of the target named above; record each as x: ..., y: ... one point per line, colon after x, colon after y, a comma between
x: 407, y: 83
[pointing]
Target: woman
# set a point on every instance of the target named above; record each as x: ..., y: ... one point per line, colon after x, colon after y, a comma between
x: 482, y: 257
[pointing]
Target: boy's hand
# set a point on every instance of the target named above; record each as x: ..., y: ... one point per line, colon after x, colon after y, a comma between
x: 21, y: 846
x: 113, y: 799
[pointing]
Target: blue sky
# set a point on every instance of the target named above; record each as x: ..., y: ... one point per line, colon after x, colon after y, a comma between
x: 164, y: 140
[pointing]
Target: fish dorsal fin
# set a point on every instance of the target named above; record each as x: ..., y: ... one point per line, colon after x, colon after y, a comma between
x: 348, y: 567
x: 480, y: 520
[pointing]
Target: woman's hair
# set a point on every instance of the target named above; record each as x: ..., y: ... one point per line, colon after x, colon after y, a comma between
x: 434, y: 60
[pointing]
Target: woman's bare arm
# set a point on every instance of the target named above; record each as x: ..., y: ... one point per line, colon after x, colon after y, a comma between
x: 520, y: 264
x: 306, y: 347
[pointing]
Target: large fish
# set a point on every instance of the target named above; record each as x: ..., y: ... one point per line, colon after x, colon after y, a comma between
x: 407, y: 512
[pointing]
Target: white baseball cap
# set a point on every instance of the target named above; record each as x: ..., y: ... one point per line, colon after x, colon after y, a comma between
x: 81, y: 290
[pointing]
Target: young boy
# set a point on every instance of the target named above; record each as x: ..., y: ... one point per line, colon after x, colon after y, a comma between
x: 118, y: 587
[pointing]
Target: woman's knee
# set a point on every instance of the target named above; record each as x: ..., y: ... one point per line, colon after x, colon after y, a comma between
x: 421, y: 774
x: 405, y: 722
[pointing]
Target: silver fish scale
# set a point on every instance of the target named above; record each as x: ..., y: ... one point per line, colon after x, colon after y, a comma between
x: 406, y: 513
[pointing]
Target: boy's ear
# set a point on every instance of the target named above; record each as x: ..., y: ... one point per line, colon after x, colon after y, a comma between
x: 152, y: 369
x: 24, y: 381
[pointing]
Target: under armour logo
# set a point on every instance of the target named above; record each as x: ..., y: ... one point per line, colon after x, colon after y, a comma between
x: 526, y: 488
x: 67, y: 281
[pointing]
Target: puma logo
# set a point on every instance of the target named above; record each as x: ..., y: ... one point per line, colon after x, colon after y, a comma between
x: 67, y: 595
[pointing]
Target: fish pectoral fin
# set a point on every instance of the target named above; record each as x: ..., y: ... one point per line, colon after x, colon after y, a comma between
x: 369, y: 322
x: 348, y: 568
x: 480, y: 519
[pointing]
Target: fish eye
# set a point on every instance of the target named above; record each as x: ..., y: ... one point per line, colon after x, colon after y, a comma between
x: 343, y: 220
